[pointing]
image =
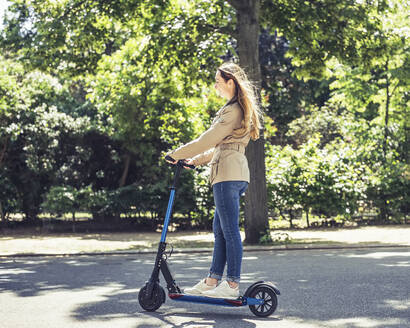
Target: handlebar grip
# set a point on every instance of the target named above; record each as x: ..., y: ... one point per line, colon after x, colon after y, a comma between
x: 169, y: 158
x: 181, y: 162
x: 187, y: 165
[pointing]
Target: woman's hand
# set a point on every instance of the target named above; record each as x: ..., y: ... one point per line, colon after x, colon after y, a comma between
x: 189, y: 162
x: 172, y: 161
x: 169, y: 159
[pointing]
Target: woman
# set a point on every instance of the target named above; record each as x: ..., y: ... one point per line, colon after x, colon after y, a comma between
x: 223, y: 146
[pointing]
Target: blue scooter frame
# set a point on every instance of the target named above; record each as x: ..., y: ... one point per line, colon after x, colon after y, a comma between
x: 261, y: 297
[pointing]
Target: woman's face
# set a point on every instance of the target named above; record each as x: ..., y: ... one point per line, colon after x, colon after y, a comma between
x: 225, y: 89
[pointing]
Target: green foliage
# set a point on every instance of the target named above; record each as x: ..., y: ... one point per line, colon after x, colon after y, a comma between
x: 32, y: 132
x: 266, y: 238
x: 9, y: 200
x: 70, y: 37
x: 60, y: 200
x: 66, y: 37
x: 320, y: 30
x: 285, y: 97
x: 94, y: 93
x: 352, y: 148
x: 140, y: 100
x: 143, y: 72
x: 336, y: 175
x: 310, y: 178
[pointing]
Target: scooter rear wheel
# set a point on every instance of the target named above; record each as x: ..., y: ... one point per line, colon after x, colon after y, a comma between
x: 270, y: 301
x: 154, y: 302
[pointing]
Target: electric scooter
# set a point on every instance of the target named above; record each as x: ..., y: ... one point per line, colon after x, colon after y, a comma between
x: 261, y: 297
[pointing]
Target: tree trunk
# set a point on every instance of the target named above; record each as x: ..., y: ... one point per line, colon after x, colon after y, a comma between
x: 73, y: 225
x: 384, y: 215
x: 3, y: 151
x: 307, y: 218
x: 125, y: 170
x: 247, y: 35
x: 1, y: 212
x: 291, y: 217
x: 386, y: 115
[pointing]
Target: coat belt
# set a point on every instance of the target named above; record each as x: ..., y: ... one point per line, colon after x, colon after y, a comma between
x: 233, y: 146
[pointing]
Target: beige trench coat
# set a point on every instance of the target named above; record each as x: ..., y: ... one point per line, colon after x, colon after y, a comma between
x: 219, y: 147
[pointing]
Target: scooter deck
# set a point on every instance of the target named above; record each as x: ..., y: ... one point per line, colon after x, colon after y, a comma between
x: 241, y: 301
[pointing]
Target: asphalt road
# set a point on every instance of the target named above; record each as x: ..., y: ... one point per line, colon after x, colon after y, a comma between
x: 320, y: 288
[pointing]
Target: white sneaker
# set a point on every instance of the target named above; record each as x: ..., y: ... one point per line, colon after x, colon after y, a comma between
x: 199, y: 288
x: 223, y: 291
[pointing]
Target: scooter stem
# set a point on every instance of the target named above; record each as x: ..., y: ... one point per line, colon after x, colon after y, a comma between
x: 171, y: 202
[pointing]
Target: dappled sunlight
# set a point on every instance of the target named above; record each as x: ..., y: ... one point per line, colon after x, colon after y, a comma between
x: 204, y: 318
x: 193, y: 236
x: 33, y: 278
x: 77, y: 263
x: 398, y: 305
x: 63, y: 245
x: 375, y: 235
x: 319, y: 289
x: 6, y: 272
x: 362, y: 322
x: 180, y: 318
x: 398, y: 264
x: 62, y: 304
x: 203, y: 268
x: 357, y: 322
x: 247, y: 258
x: 112, y: 304
x: 134, y: 241
x: 124, y: 236
x: 378, y: 255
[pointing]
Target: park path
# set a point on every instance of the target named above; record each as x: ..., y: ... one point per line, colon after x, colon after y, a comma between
x: 82, y: 243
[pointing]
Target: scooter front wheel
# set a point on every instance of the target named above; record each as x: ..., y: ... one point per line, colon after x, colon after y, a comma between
x: 154, y: 302
x: 270, y: 301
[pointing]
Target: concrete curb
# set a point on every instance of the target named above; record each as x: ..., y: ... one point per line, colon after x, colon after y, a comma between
x: 306, y: 247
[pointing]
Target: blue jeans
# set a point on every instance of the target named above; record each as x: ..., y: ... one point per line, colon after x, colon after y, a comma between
x: 228, y: 243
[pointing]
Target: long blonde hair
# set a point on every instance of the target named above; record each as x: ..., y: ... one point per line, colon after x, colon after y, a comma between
x: 246, y: 96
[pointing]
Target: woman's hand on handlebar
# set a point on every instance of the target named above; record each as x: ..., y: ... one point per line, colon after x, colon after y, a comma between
x: 169, y: 159
x: 189, y: 162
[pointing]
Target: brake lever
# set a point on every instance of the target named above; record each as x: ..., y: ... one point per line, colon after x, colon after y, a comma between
x: 184, y: 164
x: 181, y: 162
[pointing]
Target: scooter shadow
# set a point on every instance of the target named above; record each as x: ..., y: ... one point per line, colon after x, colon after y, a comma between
x: 213, y: 319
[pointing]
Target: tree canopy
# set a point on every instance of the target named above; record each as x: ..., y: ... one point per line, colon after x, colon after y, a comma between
x: 93, y: 93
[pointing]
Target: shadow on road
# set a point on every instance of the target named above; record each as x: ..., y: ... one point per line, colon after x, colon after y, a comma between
x: 321, y: 288
x: 217, y: 319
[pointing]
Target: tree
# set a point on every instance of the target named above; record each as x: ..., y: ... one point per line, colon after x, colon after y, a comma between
x: 285, y: 97
x: 316, y: 31
x: 68, y: 37
x: 191, y: 38
x: 32, y: 134
x: 246, y: 33
x: 375, y: 90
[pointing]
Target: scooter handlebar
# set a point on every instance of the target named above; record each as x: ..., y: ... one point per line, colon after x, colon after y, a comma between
x: 180, y: 162
x: 169, y: 159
